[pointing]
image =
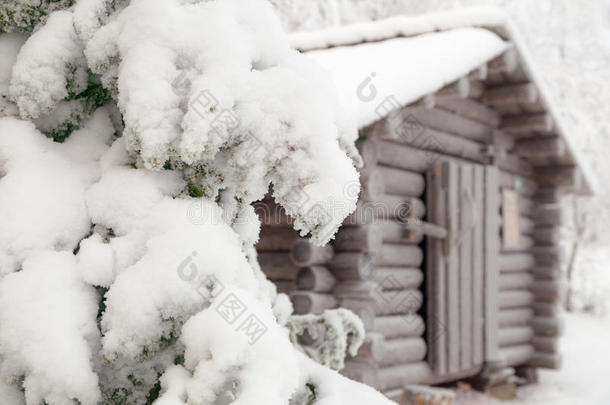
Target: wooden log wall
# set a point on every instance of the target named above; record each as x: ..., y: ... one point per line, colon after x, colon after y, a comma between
x: 516, y: 269
x: 537, y: 167
x: 378, y: 266
x: 529, y: 280
x: 449, y: 126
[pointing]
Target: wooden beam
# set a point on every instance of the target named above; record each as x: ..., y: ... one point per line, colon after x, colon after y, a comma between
x: 449, y: 122
x: 366, y: 238
x: 546, y: 309
x: 427, y: 229
x: 364, y: 297
x: 276, y: 239
x: 507, y: 62
x: 547, y: 289
x: 450, y: 176
x: 307, y: 302
x: 284, y: 286
x: 303, y: 253
x: 492, y: 266
x: 272, y: 215
x: 560, y: 176
x: 522, y: 184
x: 394, y: 232
x: 547, y: 235
x: 515, y: 299
x: 420, y: 153
x: 278, y: 266
x: 513, y: 164
x: 459, y: 88
x: 502, y: 140
x: 548, y: 326
x: 436, y: 274
x: 547, y: 255
x: 395, y: 351
x: 470, y: 109
x: 525, y: 244
x: 480, y: 73
x: 398, y: 255
x: 548, y: 272
x: 514, y: 355
x: 551, y: 361
x: 363, y: 372
x: 540, y: 147
x: 386, y: 208
x: 371, y: 183
x: 545, y: 344
x: 516, y: 317
x: 351, y: 265
x: 515, y: 335
x: 394, y: 326
x: 398, y: 278
x: 401, y: 375
x: 528, y: 125
x: 511, y: 94
x: 547, y: 195
x: 315, y: 278
x: 516, y: 262
x: 548, y: 215
x: 510, y: 281
x: 402, y: 182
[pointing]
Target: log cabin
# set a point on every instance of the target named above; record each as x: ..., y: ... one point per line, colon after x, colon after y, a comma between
x: 452, y: 258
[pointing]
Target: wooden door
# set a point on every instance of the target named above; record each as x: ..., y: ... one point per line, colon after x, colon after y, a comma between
x: 462, y: 270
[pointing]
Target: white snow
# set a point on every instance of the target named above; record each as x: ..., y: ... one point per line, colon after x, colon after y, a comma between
x: 102, y: 223
x: 43, y: 67
x: 583, y: 379
x: 335, y: 389
x: 48, y: 330
x: 399, y: 26
x: 237, y: 104
x: 42, y: 205
x: 10, y: 44
x: 405, y: 69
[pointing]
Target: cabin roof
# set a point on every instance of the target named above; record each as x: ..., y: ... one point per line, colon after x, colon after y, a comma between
x: 403, y: 59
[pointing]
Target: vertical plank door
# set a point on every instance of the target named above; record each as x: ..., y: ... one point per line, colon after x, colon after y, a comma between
x: 462, y: 270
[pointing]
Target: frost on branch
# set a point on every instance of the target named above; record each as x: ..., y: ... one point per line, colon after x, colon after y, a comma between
x: 330, y: 332
x: 47, y: 309
x: 50, y: 65
x: 33, y: 168
x: 50, y: 80
x: 235, y: 109
x: 97, y: 239
x: 25, y: 15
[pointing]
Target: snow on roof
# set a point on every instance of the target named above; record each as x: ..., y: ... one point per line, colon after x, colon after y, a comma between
x: 400, y: 26
x: 408, y: 57
x: 404, y: 69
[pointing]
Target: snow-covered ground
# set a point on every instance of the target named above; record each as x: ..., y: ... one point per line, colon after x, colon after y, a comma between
x: 585, y: 376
